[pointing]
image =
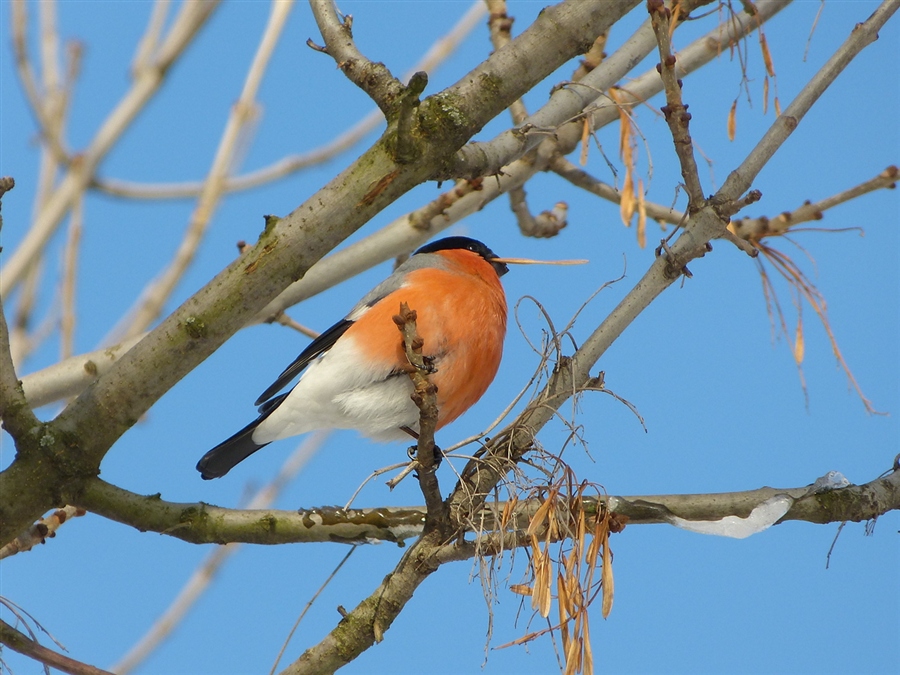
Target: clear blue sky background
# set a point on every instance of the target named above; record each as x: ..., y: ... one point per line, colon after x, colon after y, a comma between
x: 723, y: 406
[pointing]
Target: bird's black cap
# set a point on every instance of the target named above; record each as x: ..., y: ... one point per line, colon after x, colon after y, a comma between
x: 466, y: 244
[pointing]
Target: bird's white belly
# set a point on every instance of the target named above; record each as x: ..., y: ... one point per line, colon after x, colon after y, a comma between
x: 339, y: 391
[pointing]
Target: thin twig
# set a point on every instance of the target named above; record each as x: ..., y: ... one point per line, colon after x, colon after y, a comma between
x: 185, y: 27
x: 205, y: 573
x: 39, y: 532
x: 437, y: 54
x: 675, y: 111
x: 21, y: 643
x: 156, y: 294
x: 69, y: 281
x: 309, y: 605
x: 756, y: 229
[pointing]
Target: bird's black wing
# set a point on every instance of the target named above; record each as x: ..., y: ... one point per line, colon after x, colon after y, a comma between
x: 223, y: 458
x: 320, y: 345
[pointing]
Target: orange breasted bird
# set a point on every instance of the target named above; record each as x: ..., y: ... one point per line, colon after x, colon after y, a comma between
x: 354, y: 375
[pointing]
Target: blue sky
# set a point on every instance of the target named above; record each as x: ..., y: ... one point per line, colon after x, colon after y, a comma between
x: 722, y: 402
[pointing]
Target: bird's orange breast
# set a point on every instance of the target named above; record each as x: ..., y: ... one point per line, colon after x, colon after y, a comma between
x: 461, y: 312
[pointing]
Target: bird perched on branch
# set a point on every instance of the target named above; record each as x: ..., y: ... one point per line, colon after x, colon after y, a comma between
x: 354, y: 375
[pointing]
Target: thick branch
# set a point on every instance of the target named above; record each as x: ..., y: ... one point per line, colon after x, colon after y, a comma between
x: 200, y: 523
x: 413, y: 229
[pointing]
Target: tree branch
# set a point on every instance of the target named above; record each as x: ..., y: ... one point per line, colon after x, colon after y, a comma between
x: 675, y: 111
x: 288, y: 248
x: 373, y: 78
x: 756, y: 229
x: 18, y: 419
x: 862, y: 35
x: 199, y: 523
x: 19, y: 642
x: 185, y: 27
x: 414, y: 228
x: 425, y: 397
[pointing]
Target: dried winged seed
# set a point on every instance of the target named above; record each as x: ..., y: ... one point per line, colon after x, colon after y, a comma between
x: 537, y: 520
x: 732, y: 121
x: 606, y: 577
x: 547, y: 597
x: 767, y: 55
x: 798, y: 342
x: 563, y: 606
x: 508, y: 510
x: 588, y: 668
x: 642, y: 215
x: 572, y: 657
x: 626, y: 199
x: 570, y: 562
x: 562, y: 597
x: 521, y: 589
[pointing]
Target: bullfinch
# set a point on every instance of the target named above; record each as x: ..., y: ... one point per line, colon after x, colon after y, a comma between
x: 354, y: 375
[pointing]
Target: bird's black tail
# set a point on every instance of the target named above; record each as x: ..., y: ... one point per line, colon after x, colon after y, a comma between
x: 231, y: 452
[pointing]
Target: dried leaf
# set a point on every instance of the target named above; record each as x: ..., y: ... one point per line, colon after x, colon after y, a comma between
x: 732, y: 121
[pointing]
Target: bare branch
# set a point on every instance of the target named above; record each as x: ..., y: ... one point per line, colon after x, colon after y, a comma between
x: 156, y: 294
x: 863, y: 34
x: 675, y: 111
x: 373, y: 78
x: 756, y: 229
x: 192, y: 17
x: 438, y: 53
x: 200, y: 523
x: 21, y: 643
x: 14, y: 410
x: 40, y: 531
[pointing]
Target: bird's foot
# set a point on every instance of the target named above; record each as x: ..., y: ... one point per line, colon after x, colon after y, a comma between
x: 413, y: 450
